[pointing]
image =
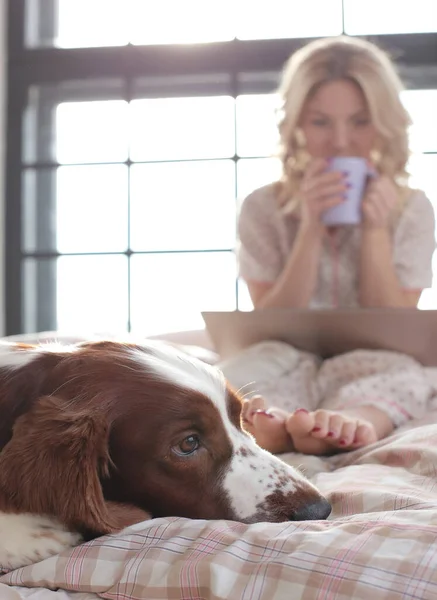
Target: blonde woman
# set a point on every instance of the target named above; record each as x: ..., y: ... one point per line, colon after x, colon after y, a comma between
x: 339, y: 97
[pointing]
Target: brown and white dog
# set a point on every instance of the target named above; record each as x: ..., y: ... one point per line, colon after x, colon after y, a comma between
x: 100, y: 435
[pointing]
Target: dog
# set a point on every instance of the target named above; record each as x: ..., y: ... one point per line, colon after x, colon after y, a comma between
x: 100, y: 435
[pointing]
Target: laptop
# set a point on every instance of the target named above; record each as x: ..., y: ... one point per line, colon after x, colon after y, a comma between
x: 328, y: 332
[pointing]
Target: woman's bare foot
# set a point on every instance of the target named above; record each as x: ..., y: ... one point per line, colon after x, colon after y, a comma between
x: 326, y: 432
x: 267, y: 425
x: 320, y: 432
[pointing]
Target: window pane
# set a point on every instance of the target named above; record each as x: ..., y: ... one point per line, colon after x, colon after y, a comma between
x: 244, y: 300
x: 257, y: 132
x: 86, y: 23
x: 253, y: 173
x: 42, y: 130
x: 76, y: 23
x: 423, y: 169
x: 183, y: 206
x: 92, y: 131
x: 428, y: 298
x: 421, y: 104
x: 181, y: 21
x: 390, y: 16
x: 75, y: 209
x: 38, y: 301
x: 177, y: 128
x: 92, y: 213
x: 92, y: 293
x: 168, y: 291
x: 288, y: 18
x: 38, y: 219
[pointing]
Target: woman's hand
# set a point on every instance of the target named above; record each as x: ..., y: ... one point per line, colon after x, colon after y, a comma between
x: 379, y: 203
x: 320, y: 190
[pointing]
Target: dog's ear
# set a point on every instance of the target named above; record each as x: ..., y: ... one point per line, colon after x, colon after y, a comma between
x: 53, y: 464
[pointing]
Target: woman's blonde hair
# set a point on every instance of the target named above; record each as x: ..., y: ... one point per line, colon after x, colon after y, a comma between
x: 371, y: 69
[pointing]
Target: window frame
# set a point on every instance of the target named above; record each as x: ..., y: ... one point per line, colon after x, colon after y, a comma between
x: 415, y: 55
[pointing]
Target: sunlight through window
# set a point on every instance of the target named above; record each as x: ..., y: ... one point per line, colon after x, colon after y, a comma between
x: 147, y: 189
x: 86, y: 23
x: 390, y: 16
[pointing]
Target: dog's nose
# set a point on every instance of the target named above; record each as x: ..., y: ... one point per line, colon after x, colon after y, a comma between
x: 321, y: 509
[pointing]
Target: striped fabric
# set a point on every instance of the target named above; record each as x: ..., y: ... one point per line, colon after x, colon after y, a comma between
x: 380, y: 543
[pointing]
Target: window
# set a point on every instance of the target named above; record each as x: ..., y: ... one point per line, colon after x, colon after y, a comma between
x: 140, y: 136
x: 90, y: 23
x: 390, y: 16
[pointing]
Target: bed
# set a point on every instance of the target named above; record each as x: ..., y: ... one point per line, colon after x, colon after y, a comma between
x: 379, y: 543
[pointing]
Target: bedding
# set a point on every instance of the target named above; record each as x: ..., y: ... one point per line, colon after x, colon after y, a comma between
x: 379, y: 543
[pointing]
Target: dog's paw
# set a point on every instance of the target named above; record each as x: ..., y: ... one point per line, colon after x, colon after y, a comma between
x: 27, y: 539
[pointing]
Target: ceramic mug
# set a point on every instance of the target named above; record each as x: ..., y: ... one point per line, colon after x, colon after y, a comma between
x: 357, y: 172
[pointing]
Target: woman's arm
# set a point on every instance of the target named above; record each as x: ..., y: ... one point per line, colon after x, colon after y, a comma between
x: 394, y: 269
x: 295, y: 285
x: 379, y: 283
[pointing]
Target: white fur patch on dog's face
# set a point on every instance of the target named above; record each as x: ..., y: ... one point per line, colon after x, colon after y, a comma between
x: 258, y: 484
x: 255, y: 477
x: 179, y: 368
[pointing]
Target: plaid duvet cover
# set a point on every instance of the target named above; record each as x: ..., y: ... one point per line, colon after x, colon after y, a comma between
x: 379, y: 543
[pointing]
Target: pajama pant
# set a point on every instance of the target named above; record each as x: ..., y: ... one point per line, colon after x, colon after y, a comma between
x: 289, y: 379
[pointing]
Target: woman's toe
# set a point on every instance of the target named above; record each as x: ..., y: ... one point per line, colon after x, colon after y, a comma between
x: 268, y: 428
x: 365, y: 435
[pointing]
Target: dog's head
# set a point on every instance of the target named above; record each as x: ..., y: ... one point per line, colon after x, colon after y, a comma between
x: 115, y: 432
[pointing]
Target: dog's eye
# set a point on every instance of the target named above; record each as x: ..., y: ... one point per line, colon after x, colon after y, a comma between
x: 187, y: 446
